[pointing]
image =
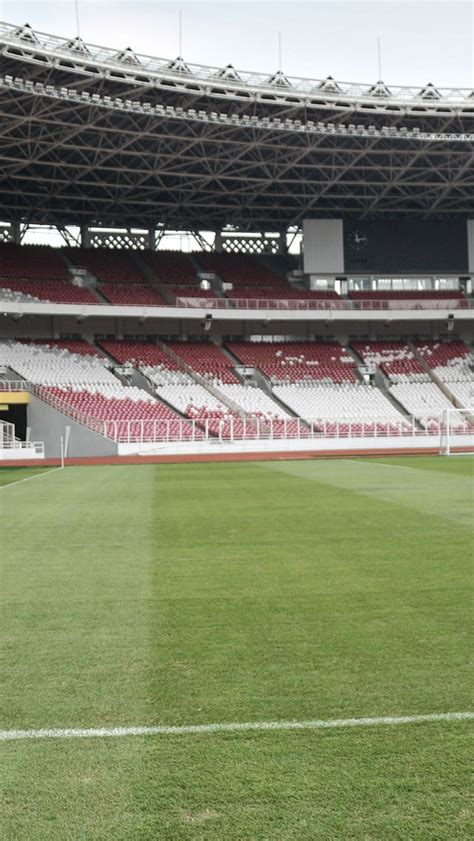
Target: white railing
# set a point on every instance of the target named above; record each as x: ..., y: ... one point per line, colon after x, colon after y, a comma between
x: 14, y: 385
x: 24, y: 447
x: 311, y: 304
x: 230, y: 429
x: 8, y: 441
x: 280, y: 304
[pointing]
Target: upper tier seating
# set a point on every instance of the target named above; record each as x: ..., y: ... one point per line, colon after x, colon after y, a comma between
x: 177, y: 273
x: 12, y: 295
x: 77, y: 346
x: 55, y: 292
x: 38, y: 273
x: 132, y: 295
x: 121, y: 282
x: 31, y: 262
x: 327, y: 405
x: 172, y: 268
x: 395, y: 359
x: 251, y: 279
x: 108, y: 265
x: 289, y: 362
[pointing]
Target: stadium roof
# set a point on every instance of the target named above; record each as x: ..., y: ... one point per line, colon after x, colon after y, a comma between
x: 90, y: 135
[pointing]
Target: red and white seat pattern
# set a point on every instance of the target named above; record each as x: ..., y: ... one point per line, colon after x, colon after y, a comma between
x: 77, y: 346
x: 291, y: 362
x: 38, y: 273
x: 228, y: 400
x: 207, y: 359
x: 451, y: 361
x: 81, y: 384
x: 122, y: 412
x: 51, y: 291
x: 395, y: 359
x: 149, y: 358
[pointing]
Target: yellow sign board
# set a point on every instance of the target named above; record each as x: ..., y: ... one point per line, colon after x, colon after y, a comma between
x: 14, y: 397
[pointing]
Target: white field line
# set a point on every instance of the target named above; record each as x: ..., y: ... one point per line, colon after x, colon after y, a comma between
x: 377, y: 463
x: 46, y: 472
x: 233, y: 727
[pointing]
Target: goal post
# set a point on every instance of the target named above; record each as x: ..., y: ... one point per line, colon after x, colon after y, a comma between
x: 457, y: 432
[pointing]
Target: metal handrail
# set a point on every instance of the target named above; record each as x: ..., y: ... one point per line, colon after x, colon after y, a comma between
x: 14, y: 385
x: 259, y: 304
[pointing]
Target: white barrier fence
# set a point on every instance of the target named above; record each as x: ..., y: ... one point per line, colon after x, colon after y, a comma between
x: 230, y: 428
x: 235, y: 429
x: 11, y: 447
x: 310, y: 304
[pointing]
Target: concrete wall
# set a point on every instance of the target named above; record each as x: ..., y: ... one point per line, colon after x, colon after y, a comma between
x: 47, y: 424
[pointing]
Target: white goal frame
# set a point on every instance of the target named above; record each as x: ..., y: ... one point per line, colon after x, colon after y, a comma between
x: 457, y: 432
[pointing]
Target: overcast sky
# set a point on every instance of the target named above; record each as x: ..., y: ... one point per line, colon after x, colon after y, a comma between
x: 421, y: 41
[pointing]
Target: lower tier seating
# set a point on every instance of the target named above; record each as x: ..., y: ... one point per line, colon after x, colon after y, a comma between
x: 451, y: 361
x: 424, y: 401
x: 395, y: 359
x: 358, y: 404
x: 207, y: 359
x: 292, y: 362
x: 120, y: 412
x: 45, y: 364
x: 464, y: 392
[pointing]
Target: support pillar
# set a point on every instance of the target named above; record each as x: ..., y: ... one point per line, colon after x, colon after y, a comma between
x: 16, y: 232
x: 218, y: 245
x: 85, y: 236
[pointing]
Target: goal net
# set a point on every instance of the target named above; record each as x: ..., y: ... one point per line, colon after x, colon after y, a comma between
x: 457, y: 432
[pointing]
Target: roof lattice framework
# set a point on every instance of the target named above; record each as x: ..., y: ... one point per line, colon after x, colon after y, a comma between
x: 96, y: 136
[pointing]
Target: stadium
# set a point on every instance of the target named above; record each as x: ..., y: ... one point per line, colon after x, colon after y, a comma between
x: 237, y: 592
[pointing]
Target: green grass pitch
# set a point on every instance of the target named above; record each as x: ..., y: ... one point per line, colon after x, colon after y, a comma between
x: 190, y: 594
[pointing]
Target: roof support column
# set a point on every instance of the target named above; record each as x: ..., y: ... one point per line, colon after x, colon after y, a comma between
x: 85, y: 236
x: 282, y: 243
x: 15, y: 230
x: 218, y: 244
